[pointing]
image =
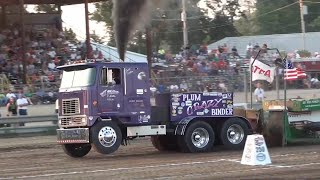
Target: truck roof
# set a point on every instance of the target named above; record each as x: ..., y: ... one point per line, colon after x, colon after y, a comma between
x: 98, y: 63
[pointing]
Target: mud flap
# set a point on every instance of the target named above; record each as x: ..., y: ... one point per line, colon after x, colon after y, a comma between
x: 182, y: 125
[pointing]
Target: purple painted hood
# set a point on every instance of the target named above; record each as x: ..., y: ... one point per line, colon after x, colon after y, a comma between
x: 72, y: 103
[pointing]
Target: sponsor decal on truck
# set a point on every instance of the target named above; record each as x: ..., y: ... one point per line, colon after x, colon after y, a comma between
x: 201, y: 104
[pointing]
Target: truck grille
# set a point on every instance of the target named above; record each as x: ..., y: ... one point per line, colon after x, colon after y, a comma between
x: 72, y: 121
x: 70, y: 106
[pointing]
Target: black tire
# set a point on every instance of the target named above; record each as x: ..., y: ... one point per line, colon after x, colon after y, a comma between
x: 165, y: 143
x: 76, y: 150
x: 186, y: 142
x: 105, y: 145
x: 234, y: 125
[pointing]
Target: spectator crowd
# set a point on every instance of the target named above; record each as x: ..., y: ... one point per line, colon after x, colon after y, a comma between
x: 46, y: 48
x: 200, y: 69
x: 220, y: 69
x: 195, y: 68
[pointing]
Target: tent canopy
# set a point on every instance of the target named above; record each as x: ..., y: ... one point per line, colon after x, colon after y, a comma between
x: 59, y: 2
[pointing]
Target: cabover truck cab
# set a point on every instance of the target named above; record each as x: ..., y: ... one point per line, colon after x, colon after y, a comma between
x: 103, y: 105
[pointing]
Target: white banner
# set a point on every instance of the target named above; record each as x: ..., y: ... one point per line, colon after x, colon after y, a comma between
x: 312, y: 116
x: 261, y: 71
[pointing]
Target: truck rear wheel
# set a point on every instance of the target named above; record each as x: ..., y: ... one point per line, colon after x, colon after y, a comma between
x: 106, y: 137
x: 234, y: 133
x: 76, y: 150
x: 199, y: 137
x: 165, y: 143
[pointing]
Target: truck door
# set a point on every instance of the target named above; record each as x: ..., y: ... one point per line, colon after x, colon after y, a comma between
x: 110, y: 91
x: 137, y: 95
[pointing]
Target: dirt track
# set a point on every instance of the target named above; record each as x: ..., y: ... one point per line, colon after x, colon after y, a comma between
x: 39, y: 158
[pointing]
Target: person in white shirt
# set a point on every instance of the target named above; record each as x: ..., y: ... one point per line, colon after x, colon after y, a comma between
x: 314, y: 82
x: 249, y: 46
x: 22, y: 103
x: 184, y: 86
x: 223, y: 87
x: 174, y: 88
x: 10, y: 94
x: 259, y: 93
x: 52, y: 53
x: 297, y: 55
x: 51, y: 65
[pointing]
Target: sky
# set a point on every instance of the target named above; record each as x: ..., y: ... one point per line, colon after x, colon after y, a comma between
x: 73, y: 17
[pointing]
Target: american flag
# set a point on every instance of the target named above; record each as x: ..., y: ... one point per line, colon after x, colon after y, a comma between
x: 292, y: 73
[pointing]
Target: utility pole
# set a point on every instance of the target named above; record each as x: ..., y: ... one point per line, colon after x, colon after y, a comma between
x: 23, y: 46
x: 149, y: 48
x: 3, y: 16
x: 185, y: 25
x: 88, y: 44
x: 60, y: 15
x: 303, y: 28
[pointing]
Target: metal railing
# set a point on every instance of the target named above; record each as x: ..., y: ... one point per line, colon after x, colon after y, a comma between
x: 43, y: 125
x: 28, y: 119
x: 197, y: 83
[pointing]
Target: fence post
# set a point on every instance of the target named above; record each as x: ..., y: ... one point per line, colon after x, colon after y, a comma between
x: 245, y: 85
x: 2, y: 85
x: 277, y: 82
x: 42, y: 83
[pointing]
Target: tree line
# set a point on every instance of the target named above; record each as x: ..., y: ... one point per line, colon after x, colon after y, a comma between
x: 210, y: 22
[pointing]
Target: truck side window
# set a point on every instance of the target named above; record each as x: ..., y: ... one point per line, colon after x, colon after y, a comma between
x: 111, y: 76
x: 116, y: 76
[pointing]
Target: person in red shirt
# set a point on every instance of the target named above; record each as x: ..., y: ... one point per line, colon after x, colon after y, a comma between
x: 56, y: 60
x: 190, y: 63
x: 213, y: 65
x: 221, y: 64
x: 51, y: 77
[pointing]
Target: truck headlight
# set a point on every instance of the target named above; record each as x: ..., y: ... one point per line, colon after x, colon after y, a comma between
x: 83, y: 120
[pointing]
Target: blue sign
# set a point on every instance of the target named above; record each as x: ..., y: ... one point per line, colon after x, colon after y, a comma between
x: 261, y: 157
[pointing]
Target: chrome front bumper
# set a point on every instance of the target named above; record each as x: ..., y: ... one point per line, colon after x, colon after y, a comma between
x: 73, y: 136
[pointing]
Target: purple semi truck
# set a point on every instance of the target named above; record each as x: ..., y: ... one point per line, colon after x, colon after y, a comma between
x: 103, y: 105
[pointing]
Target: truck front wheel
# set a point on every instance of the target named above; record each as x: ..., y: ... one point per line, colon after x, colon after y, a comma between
x: 199, y: 137
x: 106, y: 137
x: 234, y: 133
x: 76, y: 150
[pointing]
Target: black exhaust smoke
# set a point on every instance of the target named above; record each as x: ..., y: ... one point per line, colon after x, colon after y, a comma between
x: 127, y: 16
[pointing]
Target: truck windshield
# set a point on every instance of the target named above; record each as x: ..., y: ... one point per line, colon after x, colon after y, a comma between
x: 78, y: 76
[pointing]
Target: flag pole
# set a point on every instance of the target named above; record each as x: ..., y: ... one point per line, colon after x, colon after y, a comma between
x: 284, y: 140
x: 285, y: 105
x: 255, y: 58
